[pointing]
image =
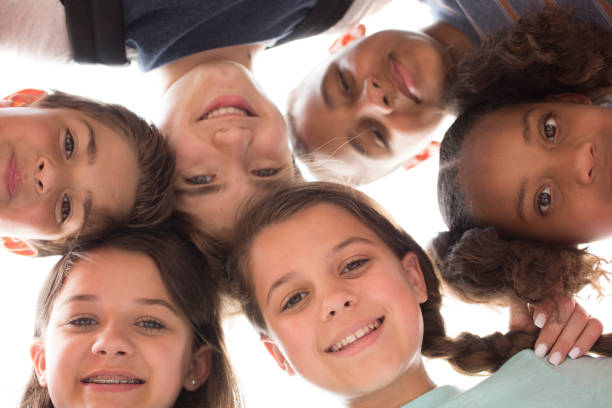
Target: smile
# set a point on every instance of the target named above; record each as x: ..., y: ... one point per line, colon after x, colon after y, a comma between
x: 11, y: 177
x: 228, y: 106
x: 111, y: 380
x: 358, y: 334
x: 403, y: 81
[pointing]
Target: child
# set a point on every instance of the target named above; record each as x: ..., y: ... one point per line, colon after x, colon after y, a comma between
x: 130, y: 320
x: 375, y: 104
x: 547, y: 147
x: 349, y: 301
x: 73, y: 166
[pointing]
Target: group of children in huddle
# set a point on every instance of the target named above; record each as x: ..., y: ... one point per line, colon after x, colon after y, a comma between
x: 211, y: 207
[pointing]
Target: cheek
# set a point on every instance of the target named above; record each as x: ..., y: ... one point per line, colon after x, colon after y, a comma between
x: 64, y: 358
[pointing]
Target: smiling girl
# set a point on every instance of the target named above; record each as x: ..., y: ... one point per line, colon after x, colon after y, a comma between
x: 347, y: 300
x: 131, y: 320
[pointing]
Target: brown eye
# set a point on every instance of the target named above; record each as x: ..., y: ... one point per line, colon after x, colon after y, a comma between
x: 65, y: 209
x: 294, y: 300
x: 68, y: 145
x: 346, y: 88
x: 543, y: 200
x: 550, y: 128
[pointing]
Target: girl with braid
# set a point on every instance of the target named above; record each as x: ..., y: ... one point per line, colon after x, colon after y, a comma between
x: 526, y: 170
x: 349, y: 301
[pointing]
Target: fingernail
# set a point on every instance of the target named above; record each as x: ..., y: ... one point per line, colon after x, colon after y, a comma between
x: 574, y: 352
x: 555, y: 358
x: 540, y: 320
x: 540, y: 350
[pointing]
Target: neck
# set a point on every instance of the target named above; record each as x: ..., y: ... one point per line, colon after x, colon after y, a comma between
x: 413, y: 383
x: 453, y: 42
x: 241, y: 54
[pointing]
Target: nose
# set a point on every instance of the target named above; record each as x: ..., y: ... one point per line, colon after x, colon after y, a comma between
x: 376, y: 96
x: 235, y: 138
x: 584, y: 162
x: 337, y: 301
x: 45, y: 176
x: 111, y: 342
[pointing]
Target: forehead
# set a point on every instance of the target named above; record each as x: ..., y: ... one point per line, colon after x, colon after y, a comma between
x: 116, y: 274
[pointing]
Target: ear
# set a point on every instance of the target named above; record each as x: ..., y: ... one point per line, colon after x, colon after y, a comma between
x: 37, y: 354
x: 414, y: 274
x: 199, y: 369
x: 25, y: 97
x: 18, y: 247
x: 276, y: 354
x: 570, y: 98
x: 355, y: 33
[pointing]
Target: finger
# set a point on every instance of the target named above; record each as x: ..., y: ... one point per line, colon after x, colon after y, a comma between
x: 555, y: 323
x: 587, y: 339
x: 559, y: 309
x: 570, y: 333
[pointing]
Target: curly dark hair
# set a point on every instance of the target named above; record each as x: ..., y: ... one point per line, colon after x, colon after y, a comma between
x: 544, y: 53
x: 468, y: 353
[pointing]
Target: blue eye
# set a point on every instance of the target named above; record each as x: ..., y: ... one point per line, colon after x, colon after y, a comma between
x: 150, y: 325
x: 68, y: 144
x: 266, y: 172
x: 82, y: 322
x: 200, y: 180
x: 66, y: 208
x: 543, y: 200
x: 294, y: 300
x: 354, y: 265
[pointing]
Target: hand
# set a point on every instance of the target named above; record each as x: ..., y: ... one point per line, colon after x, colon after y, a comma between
x: 565, y: 326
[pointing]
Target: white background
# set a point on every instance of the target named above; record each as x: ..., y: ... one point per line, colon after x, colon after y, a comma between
x: 408, y: 195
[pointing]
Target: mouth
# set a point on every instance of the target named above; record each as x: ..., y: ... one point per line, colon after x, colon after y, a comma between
x: 404, y: 81
x: 112, y: 380
x: 228, y: 106
x: 11, y: 177
x: 355, y: 336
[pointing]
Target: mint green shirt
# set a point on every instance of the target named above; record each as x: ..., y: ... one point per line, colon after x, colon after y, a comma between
x: 526, y: 381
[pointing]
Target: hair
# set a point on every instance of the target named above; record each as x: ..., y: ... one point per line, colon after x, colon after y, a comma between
x: 538, y: 56
x: 184, y: 272
x: 155, y: 191
x: 468, y: 353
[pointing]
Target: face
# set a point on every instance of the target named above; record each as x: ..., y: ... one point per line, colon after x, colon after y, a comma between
x: 542, y: 171
x: 340, y: 307
x: 374, y: 104
x: 229, y: 139
x: 115, y: 338
x: 59, y: 168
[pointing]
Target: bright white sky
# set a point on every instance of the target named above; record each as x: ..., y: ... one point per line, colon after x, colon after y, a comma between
x: 409, y: 196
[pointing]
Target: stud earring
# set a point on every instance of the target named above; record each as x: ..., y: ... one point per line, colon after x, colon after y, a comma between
x: 193, y: 382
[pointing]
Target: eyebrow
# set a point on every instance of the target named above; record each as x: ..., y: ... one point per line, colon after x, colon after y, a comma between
x: 156, y: 302
x: 526, y: 126
x: 520, y: 202
x: 215, y: 188
x: 87, y: 206
x: 80, y: 298
x: 288, y: 276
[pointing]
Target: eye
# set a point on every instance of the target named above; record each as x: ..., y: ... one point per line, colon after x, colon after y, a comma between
x: 345, y: 87
x: 82, y: 322
x: 65, y: 208
x: 543, y: 200
x: 201, y: 179
x: 354, y: 266
x: 379, y: 138
x: 150, y: 324
x: 550, y: 128
x: 294, y: 300
x: 68, y: 145
x: 266, y: 172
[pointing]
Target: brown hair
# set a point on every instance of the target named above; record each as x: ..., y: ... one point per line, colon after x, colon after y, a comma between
x: 155, y: 191
x: 191, y: 286
x: 544, y: 53
x: 467, y: 353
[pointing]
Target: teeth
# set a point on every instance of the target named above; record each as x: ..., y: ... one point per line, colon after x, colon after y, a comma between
x: 111, y: 380
x: 226, y: 110
x: 351, y: 338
